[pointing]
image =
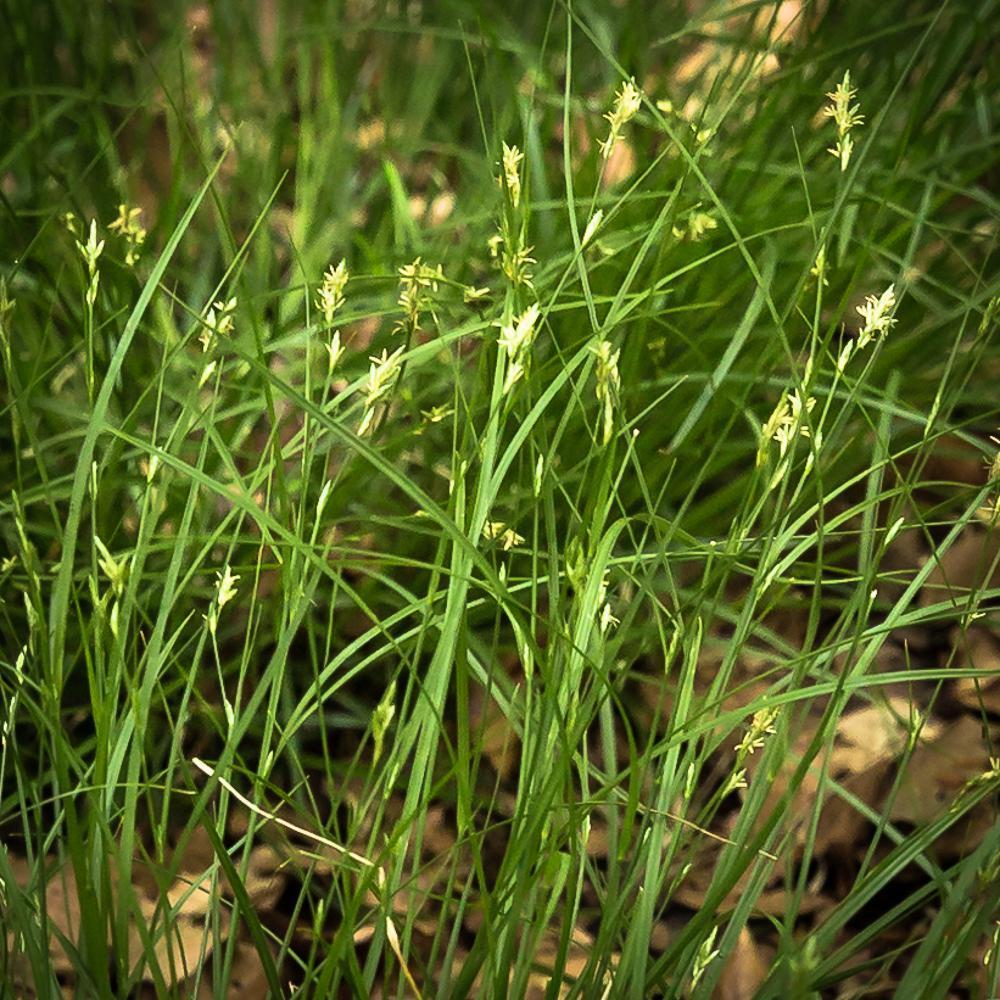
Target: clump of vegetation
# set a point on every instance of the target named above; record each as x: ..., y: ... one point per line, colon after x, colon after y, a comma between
x: 492, y: 507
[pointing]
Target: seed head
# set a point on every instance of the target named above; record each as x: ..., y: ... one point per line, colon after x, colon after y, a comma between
x: 382, y: 718
x: 707, y: 953
x: 471, y: 295
x: 608, y: 620
x: 226, y: 587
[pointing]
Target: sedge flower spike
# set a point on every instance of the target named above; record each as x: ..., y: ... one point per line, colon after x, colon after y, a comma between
x: 784, y: 423
x: 698, y: 223
x: 225, y: 591
x: 707, y: 952
x: 498, y: 531
x: 330, y: 297
x: 592, y: 226
x: 382, y: 376
x: 818, y: 270
x: 877, y: 315
x: 628, y: 100
x: 516, y: 338
x: 335, y: 351
x: 516, y: 264
x: 761, y: 726
x: 877, y: 320
x: 90, y: 251
x: 416, y: 283
x: 382, y: 718
x: 219, y: 322
x: 608, y: 383
x: 511, y: 163
x: 128, y: 226
x: 845, y: 116
x: 608, y: 620
x: 116, y: 570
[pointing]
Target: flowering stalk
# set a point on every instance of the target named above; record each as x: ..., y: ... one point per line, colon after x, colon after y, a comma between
x: 783, y: 424
x: 131, y: 230
x: 608, y: 384
x: 761, y: 726
x: 516, y: 338
x: 498, y: 531
x: 330, y: 297
x: 628, y: 100
x: 219, y: 322
x: 417, y: 281
x: 877, y: 314
x: 511, y: 164
x: 382, y: 378
x: 845, y: 116
x: 90, y: 251
x: 225, y: 591
x: 698, y: 223
x: 592, y: 226
x: 818, y: 270
x: 329, y: 301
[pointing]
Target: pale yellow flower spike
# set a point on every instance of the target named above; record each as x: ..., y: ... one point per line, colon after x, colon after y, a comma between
x: 219, y: 322
x: 131, y: 229
x: 382, y: 376
x: 877, y: 315
x: 845, y: 116
x: 416, y: 283
x: 781, y: 425
x: 516, y: 338
x: 498, y: 531
x: 90, y: 251
x: 608, y: 383
x: 330, y: 297
x: 225, y: 591
x: 628, y: 100
x: 512, y: 158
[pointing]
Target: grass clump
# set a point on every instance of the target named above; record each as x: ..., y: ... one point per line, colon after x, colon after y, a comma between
x: 492, y: 507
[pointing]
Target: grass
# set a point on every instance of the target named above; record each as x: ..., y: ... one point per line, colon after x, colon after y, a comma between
x: 633, y: 598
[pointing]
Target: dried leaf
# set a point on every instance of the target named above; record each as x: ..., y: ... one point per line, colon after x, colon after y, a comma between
x: 744, y: 972
x: 982, y: 652
x: 936, y: 772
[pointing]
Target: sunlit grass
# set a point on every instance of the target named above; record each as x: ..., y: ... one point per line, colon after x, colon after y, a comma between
x: 513, y: 451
